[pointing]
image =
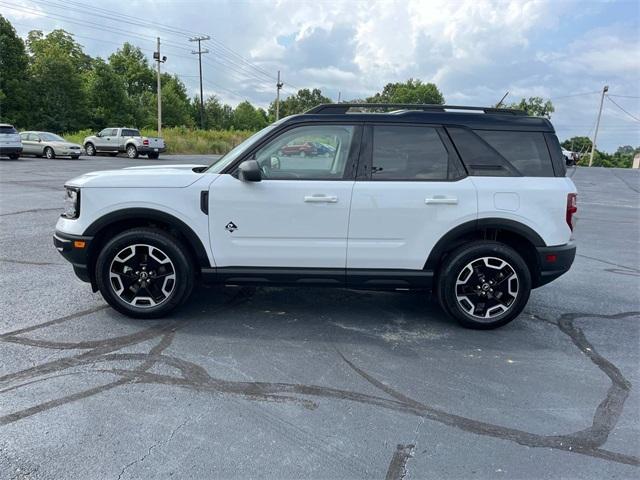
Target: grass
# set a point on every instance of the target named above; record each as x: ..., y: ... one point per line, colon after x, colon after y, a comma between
x: 185, y: 140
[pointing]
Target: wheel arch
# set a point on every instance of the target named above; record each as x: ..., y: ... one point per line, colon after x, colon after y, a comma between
x: 118, y: 221
x: 518, y: 236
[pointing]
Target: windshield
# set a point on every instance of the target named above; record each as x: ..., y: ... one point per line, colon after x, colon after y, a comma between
x: 239, y: 149
x: 51, y: 137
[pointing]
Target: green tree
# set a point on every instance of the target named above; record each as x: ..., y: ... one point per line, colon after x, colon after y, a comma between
x: 57, y: 85
x: 140, y: 83
x: 411, y: 91
x: 176, y: 106
x: 107, y: 97
x: 578, y: 144
x: 247, y: 117
x: 14, y: 106
x: 302, y: 101
x: 535, y: 107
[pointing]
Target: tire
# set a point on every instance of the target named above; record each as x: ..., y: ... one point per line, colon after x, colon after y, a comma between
x: 153, y: 155
x: 484, y: 284
x: 49, y: 153
x: 14, y: 156
x: 90, y: 149
x: 132, y: 151
x: 140, y: 256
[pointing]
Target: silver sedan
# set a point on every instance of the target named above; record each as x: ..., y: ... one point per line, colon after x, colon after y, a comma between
x: 49, y: 145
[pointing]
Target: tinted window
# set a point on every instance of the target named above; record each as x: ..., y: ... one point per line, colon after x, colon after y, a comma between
x: 318, y: 152
x: 127, y: 132
x: 7, y: 130
x: 527, y: 151
x: 478, y: 157
x: 408, y: 153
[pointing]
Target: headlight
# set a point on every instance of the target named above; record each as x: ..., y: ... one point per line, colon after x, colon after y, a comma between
x: 71, y: 202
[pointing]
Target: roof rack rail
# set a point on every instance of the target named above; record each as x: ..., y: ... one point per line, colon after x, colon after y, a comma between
x: 341, y: 108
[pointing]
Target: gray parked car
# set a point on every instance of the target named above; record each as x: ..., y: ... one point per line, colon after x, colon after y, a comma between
x: 50, y: 145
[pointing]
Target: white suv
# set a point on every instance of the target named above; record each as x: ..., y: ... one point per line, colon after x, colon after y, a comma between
x: 10, y: 141
x: 469, y: 202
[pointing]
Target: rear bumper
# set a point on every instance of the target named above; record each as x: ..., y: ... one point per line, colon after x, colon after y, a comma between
x: 147, y: 149
x: 75, y: 249
x: 7, y: 150
x: 553, y: 262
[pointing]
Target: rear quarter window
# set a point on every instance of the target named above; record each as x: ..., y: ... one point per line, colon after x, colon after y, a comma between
x: 526, y: 151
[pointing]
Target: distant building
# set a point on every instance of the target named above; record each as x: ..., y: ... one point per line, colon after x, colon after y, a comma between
x: 636, y: 161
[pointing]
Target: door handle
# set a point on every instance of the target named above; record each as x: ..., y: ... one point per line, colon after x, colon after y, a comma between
x: 441, y: 200
x: 321, y: 199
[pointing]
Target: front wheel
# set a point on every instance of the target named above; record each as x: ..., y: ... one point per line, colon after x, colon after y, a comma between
x: 14, y: 156
x: 144, y: 273
x: 132, y: 151
x: 484, y: 284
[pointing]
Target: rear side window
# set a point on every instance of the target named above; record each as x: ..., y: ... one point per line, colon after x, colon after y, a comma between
x: 408, y: 153
x: 527, y: 151
x: 8, y: 130
x: 127, y: 132
x: 479, y: 158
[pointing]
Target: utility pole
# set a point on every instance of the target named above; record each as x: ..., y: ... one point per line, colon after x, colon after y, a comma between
x: 339, y: 95
x: 200, y: 52
x: 595, y: 134
x: 159, y: 59
x: 279, y: 85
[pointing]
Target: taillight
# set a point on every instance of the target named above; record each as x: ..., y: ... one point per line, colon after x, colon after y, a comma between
x: 572, y: 208
x: 145, y: 141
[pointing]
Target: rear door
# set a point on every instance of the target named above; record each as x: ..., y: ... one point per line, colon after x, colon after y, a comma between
x: 298, y: 215
x: 412, y: 193
x: 29, y: 143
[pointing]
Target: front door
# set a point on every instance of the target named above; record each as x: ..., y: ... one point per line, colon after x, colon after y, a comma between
x: 298, y: 214
x: 107, y: 141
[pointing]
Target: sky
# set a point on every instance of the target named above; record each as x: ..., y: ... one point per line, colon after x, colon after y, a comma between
x: 474, y: 51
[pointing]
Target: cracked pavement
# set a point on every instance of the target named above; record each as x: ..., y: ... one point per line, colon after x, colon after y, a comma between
x: 316, y: 383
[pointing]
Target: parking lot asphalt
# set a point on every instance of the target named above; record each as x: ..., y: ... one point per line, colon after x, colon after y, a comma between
x: 286, y: 383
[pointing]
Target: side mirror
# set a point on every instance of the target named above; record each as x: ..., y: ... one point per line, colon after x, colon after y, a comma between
x: 98, y: 134
x: 249, y: 171
x: 39, y: 140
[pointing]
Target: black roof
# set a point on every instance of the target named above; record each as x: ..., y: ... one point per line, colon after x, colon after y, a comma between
x: 477, y: 118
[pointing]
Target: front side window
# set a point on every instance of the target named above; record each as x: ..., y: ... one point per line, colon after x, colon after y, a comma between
x: 318, y: 152
x: 408, y: 153
x: 105, y: 133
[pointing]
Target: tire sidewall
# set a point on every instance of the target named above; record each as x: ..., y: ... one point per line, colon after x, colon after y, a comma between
x: 170, y: 246
x: 48, y: 152
x: 462, y: 257
x: 132, y: 148
x: 88, y: 147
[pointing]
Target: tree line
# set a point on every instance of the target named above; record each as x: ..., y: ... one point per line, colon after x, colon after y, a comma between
x: 47, y: 82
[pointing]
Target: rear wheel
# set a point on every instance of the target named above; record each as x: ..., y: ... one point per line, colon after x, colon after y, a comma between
x: 132, y: 151
x: 49, y: 153
x: 484, y: 284
x: 144, y: 273
x: 90, y: 149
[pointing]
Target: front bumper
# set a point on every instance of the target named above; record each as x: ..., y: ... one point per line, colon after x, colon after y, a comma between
x: 75, y: 249
x: 553, y: 262
x: 10, y: 150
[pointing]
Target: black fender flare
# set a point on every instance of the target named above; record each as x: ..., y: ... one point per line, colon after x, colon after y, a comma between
x: 153, y: 215
x: 477, y: 225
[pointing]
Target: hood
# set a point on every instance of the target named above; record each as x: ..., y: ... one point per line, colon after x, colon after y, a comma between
x: 155, y: 176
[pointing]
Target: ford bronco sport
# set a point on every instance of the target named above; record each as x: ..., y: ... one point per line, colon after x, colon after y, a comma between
x: 472, y: 203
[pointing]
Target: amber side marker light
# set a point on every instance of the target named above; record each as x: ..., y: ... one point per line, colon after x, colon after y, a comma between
x: 79, y: 244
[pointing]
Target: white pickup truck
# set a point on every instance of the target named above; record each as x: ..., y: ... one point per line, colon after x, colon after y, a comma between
x: 123, y: 140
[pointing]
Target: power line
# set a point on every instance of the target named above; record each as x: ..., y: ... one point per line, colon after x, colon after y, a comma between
x: 624, y: 96
x: 630, y: 114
